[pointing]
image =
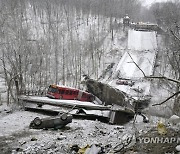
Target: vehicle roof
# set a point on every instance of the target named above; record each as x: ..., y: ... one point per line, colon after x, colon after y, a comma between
x: 67, y: 87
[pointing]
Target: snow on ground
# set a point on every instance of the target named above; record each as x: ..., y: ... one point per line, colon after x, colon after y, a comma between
x: 14, y: 126
x: 15, y: 122
x: 2, y: 90
x: 17, y: 137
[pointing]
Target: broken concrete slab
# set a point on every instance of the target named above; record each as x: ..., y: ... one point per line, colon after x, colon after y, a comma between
x: 107, y: 94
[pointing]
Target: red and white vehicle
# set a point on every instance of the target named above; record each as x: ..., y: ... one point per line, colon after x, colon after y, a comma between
x: 61, y: 92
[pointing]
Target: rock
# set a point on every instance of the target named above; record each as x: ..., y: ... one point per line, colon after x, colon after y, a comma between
x: 61, y: 137
x: 33, y: 139
x: 119, y: 128
x: 178, y: 148
x: 13, y: 152
x: 75, y: 148
x: 22, y: 142
x: 102, y: 132
x: 93, y: 150
x: 174, y: 119
x: 19, y: 149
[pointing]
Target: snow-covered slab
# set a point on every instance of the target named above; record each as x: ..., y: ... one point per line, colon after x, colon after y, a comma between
x: 61, y: 102
x: 142, y: 40
x: 57, y: 109
x: 144, y: 59
x: 93, y: 112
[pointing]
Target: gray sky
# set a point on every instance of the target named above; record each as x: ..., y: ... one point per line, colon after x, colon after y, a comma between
x: 149, y: 2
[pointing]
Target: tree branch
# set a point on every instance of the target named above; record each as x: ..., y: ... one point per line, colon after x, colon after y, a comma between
x: 136, y: 64
x: 163, y: 77
x: 175, y: 35
x: 175, y: 94
x: 158, y: 77
x: 153, y: 77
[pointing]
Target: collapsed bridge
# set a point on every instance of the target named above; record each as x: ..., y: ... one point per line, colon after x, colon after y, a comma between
x: 137, y: 62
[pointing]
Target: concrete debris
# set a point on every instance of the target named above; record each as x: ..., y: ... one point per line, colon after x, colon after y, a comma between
x: 174, y: 119
x: 178, y: 148
x: 106, y: 93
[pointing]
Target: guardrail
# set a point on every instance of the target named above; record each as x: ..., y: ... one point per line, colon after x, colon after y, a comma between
x: 33, y: 92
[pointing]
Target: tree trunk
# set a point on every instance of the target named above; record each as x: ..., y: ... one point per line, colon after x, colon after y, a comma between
x: 176, y: 108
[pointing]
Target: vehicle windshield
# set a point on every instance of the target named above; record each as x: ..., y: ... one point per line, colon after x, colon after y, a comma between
x: 52, y: 89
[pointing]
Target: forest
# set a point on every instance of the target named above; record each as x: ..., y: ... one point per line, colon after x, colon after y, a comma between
x: 58, y: 41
